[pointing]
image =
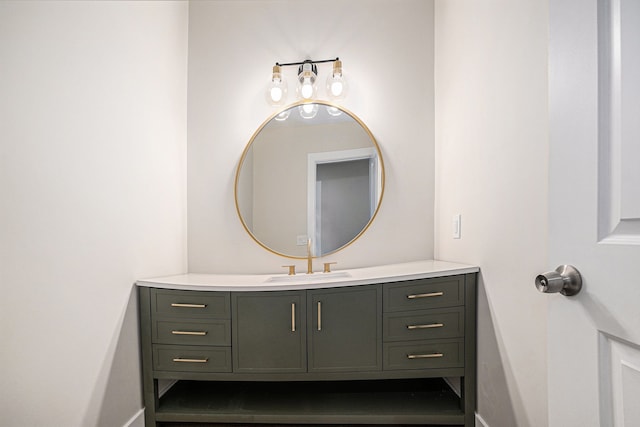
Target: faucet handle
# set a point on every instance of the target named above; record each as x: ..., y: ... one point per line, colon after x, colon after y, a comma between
x: 327, y: 267
x: 292, y: 269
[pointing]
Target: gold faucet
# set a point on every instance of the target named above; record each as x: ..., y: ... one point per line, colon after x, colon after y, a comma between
x: 309, y: 257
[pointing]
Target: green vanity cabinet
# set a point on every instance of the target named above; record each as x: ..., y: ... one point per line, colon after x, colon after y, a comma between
x: 345, y: 329
x: 372, y: 352
x: 269, y: 332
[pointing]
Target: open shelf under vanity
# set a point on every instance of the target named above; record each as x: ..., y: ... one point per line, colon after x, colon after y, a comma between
x: 381, y: 402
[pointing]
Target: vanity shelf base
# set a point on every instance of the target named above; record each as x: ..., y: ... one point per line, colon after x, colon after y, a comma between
x: 383, y: 402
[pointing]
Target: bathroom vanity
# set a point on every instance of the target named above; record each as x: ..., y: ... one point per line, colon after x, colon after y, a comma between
x: 363, y: 346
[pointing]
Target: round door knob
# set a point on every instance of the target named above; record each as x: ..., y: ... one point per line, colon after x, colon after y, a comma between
x: 565, y: 279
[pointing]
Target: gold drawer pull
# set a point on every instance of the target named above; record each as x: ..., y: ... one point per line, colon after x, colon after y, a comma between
x: 424, y: 356
x: 198, y: 333
x: 183, y: 360
x: 432, y: 325
x: 432, y: 294
x: 178, y: 304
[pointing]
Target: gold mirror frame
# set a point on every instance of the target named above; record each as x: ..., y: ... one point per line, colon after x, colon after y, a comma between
x: 381, y: 173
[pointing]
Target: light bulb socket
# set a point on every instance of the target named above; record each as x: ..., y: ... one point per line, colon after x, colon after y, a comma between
x: 307, y: 70
x: 337, y: 67
x: 276, y: 75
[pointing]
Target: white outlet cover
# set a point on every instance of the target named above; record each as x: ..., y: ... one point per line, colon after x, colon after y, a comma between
x: 457, y: 226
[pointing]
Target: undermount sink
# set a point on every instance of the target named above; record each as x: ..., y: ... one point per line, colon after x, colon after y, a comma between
x: 316, y: 277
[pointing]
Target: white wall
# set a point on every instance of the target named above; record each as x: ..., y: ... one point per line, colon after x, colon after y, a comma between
x: 386, y: 48
x: 93, y: 194
x: 491, y: 167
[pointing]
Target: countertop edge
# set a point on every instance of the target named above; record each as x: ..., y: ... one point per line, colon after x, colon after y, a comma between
x: 260, y: 282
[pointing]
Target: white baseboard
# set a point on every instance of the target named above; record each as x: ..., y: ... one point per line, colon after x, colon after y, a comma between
x: 137, y: 420
x: 480, y: 422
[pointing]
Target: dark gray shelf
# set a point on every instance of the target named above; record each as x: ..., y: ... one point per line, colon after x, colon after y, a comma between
x: 415, y: 401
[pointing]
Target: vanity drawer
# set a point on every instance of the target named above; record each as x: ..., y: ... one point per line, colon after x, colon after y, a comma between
x: 424, y: 354
x: 165, y: 302
x: 424, y: 324
x: 424, y: 293
x: 176, y: 358
x: 192, y: 332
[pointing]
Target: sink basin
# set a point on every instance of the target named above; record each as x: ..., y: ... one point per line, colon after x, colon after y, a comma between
x: 316, y: 277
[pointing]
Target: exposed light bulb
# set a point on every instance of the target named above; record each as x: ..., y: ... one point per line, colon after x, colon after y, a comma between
x: 307, y: 74
x: 306, y: 90
x: 277, y: 88
x: 336, y: 83
x: 336, y: 89
x: 276, y: 94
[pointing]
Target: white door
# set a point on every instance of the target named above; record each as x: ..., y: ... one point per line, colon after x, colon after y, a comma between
x: 594, y: 182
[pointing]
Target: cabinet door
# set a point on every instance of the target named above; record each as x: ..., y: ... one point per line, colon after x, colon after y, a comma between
x: 345, y: 329
x: 269, y: 332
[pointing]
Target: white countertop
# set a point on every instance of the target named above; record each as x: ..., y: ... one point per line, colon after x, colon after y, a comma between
x: 337, y: 278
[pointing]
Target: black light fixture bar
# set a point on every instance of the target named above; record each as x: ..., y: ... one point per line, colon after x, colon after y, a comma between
x: 307, y: 61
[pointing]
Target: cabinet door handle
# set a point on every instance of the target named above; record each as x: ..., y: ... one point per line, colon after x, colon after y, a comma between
x: 319, y: 316
x: 429, y: 326
x: 198, y: 333
x: 430, y: 295
x: 424, y: 356
x: 293, y: 317
x: 183, y: 305
x: 184, y: 360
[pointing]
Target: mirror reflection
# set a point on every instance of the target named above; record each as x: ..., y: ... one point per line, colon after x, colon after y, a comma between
x: 313, y: 171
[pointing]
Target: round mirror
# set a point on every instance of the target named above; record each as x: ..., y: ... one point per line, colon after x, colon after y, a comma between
x: 311, y: 178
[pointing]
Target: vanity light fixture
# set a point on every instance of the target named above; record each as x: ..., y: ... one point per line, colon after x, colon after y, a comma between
x: 307, y: 82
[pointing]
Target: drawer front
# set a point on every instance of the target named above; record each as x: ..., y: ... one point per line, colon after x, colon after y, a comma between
x: 424, y: 354
x: 424, y: 324
x: 191, y: 358
x: 187, y: 304
x: 192, y: 332
x: 424, y: 293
